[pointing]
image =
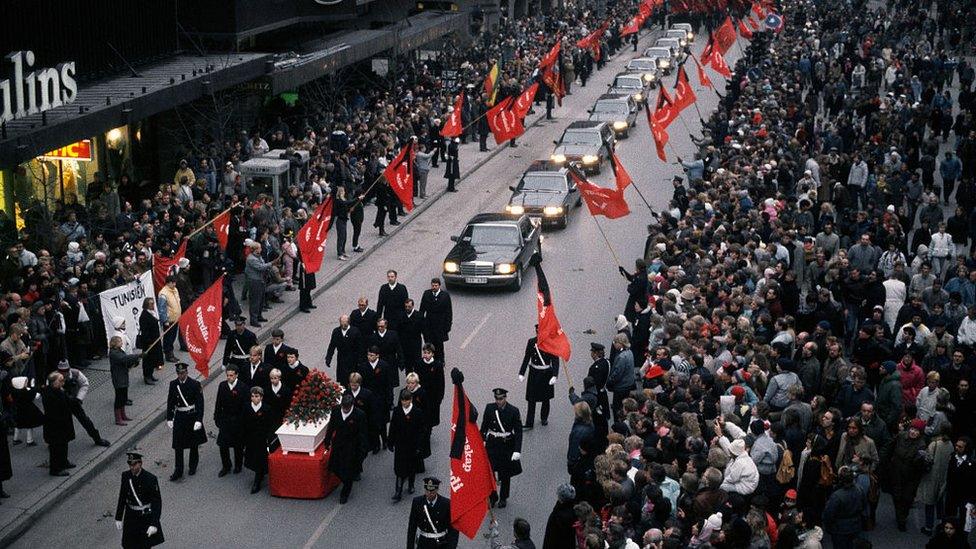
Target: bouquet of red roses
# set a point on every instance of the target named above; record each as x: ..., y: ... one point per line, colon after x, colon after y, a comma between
x: 313, y: 399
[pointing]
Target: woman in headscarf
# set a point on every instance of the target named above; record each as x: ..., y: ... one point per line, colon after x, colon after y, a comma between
x: 118, y: 330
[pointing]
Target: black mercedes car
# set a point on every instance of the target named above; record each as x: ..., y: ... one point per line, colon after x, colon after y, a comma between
x: 546, y: 191
x: 587, y: 143
x: 494, y: 249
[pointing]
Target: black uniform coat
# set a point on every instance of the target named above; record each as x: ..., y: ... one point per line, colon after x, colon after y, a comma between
x: 348, y: 349
x: 134, y: 523
x: 440, y: 516
x: 600, y: 371
x: 407, y: 434
x: 538, y: 389
x: 389, y: 304
x: 59, y: 426
x: 239, y: 344
x: 276, y: 359
x: 292, y: 377
x: 346, y: 439
x: 260, y: 378
x: 432, y: 379
x: 391, y: 350
x: 380, y: 379
x: 258, y: 428
x: 411, y: 339
x: 438, y: 316
x: 365, y: 400
x: 229, y: 413
x: 453, y: 164
x: 184, y: 436
x: 149, y: 333
x: 500, y: 449
x: 364, y: 321
x: 278, y: 403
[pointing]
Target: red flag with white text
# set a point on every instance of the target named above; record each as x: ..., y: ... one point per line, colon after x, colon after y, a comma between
x: 200, y: 325
x: 523, y: 103
x: 619, y: 173
x: 221, y: 225
x: 503, y: 122
x: 660, y: 134
x: 399, y: 173
x: 717, y: 61
x: 311, y: 237
x: 452, y: 126
x: 684, y: 95
x: 609, y: 203
x: 163, y: 266
x: 744, y: 31
x: 725, y: 35
x: 472, y: 480
x: 551, y: 338
x: 702, y: 77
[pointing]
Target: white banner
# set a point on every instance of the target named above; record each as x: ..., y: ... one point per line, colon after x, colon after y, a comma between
x: 126, y: 302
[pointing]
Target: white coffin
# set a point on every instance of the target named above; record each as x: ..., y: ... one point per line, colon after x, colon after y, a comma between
x: 306, y: 437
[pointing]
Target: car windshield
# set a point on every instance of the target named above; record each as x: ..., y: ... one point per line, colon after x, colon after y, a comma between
x: 548, y: 182
x: 612, y: 107
x: 581, y: 137
x: 628, y: 83
x: 492, y: 235
x: 642, y: 64
x: 658, y: 52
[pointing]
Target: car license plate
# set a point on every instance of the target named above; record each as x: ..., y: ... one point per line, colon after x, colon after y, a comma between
x: 476, y: 279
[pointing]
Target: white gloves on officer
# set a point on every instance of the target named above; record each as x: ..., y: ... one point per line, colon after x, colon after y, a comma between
x: 197, y: 426
x: 521, y: 378
x: 169, y: 424
x: 516, y: 456
x: 151, y: 530
x: 552, y: 381
x: 118, y: 525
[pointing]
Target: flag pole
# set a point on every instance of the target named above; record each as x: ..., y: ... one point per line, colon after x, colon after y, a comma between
x: 160, y: 338
x: 634, y: 185
x: 569, y: 378
x: 613, y: 253
x: 207, y: 224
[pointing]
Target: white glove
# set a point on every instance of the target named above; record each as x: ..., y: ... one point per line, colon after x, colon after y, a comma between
x: 151, y: 530
x: 516, y: 456
x: 197, y: 426
x: 552, y: 381
x: 521, y: 378
x: 118, y: 525
x: 169, y: 424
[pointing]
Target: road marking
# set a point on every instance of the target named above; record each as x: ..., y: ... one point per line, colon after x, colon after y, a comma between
x: 475, y: 331
x: 322, y: 526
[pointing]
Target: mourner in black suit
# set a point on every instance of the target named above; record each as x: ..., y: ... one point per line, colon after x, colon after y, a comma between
x: 258, y: 428
x: 139, y: 507
x: 408, y: 431
x: 411, y: 336
x: 276, y: 352
x: 438, y: 313
x: 501, y: 428
x: 430, y: 517
x: 542, y: 369
x: 431, y: 372
x: 184, y: 415
x: 389, y: 304
x: 380, y: 378
x: 255, y: 372
x: 232, y: 396
x: 237, y: 348
x: 390, y: 348
x: 346, y: 437
x: 363, y: 398
x: 346, y: 344
x: 294, y: 372
x: 278, y: 398
x: 363, y: 318
x: 149, y: 336
x: 59, y: 426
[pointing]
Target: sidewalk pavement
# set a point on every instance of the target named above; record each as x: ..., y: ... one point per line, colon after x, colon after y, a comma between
x: 33, y: 491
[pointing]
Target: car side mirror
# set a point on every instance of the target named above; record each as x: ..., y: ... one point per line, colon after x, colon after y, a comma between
x: 454, y: 238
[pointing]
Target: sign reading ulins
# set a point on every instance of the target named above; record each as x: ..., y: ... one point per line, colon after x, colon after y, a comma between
x: 81, y: 151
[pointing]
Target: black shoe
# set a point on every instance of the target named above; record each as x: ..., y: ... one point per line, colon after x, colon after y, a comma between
x: 237, y: 470
x: 16, y: 442
x: 255, y: 325
x: 128, y: 403
x: 382, y: 233
x: 410, y: 489
x: 305, y: 310
x: 527, y: 427
x: 357, y: 249
x: 222, y: 473
x: 262, y: 319
x: 313, y: 307
x: 175, y: 477
x: 394, y: 223
x: 343, y: 499
x: 255, y: 488
x: 191, y: 472
x: 59, y: 473
x: 545, y: 422
x: 925, y: 530
x: 452, y: 190
x: 5, y: 495
x: 171, y: 358
x: 149, y: 380
x: 102, y: 442
x: 502, y: 503
x: 397, y: 496
x: 71, y: 465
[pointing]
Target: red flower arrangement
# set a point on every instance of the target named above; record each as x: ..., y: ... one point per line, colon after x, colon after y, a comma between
x: 313, y: 399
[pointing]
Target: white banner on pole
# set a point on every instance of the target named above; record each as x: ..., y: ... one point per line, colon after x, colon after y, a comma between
x: 126, y: 302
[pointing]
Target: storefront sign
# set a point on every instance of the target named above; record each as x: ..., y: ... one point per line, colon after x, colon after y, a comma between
x: 81, y: 151
x: 39, y: 90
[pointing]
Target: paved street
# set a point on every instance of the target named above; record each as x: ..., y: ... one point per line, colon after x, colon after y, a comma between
x: 487, y: 341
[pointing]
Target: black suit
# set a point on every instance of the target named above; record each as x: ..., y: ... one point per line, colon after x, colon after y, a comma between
x: 391, y: 351
x: 541, y: 367
x: 440, y: 515
x: 380, y: 380
x: 347, y: 440
x: 349, y: 347
x: 291, y: 377
x: 182, y: 396
x: 139, y: 507
x: 277, y: 359
x: 411, y: 340
x: 364, y: 321
x: 389, y: 304
x: 278, y: 403
x: 501, y: 430
x: 229, y: 417
x: 258, y: 428
x: 432, y: 379
x: 438, y: 316
x: 260, y: 378
x: 59, y: 426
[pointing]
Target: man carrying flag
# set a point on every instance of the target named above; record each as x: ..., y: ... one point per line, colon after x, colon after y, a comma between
x: 501, y: 425
x: 399, y: 174
x: 472, y: 481
x: 312, y: 236
x: 551, y: 337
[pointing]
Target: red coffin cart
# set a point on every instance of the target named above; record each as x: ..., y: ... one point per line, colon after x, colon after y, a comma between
x: 301, y: 476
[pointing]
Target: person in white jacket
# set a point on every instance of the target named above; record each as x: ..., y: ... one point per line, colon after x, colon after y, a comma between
x: 941, y: 249
x: 895, y: 294
x: 967, y: 329
x: 741, y: 475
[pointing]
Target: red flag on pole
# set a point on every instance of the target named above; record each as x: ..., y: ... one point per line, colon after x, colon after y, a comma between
x: 718, y: 63
x: 399, y: 174
x: 660, y: 134
x: 524, y: 101
x: 758, y: 10
x: 702, y: 77
x: 552, y: 76
x: 609, y: 203
x: 744, y: 31
x: 664, y: 110
x: 311, y: 237
x: 452, y: 126
x: 503, y: 122
x: 551, y: 338
x: 221, y: 225
x: 200, y: 325
x: 163, y: 266
x: 619, y: 173
x: 472, y: 480
x: 632, y: 26
x: 550, y: 58
x: 753, y: 26
x: 725, y: 35
x: 684, y: 95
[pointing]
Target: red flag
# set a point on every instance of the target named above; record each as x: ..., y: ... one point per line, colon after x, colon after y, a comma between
x: 550, y: 58
x: 200, y: 325
x: 524, y: 101
x: 592, y: 40
x: 221, y: 225
x: 551, y: 338
x: 753, y: 26
x: 632, y: 26
x: 684, y: 95
x: 163, y: 266
x: 644, y: 10
x: 452, y: 126
x: 758, y: 10
x: 702, y: 77
x: 664, y: 111
x: 399, y: 173
x: 744, y: 31
x: 660, y: 134
x: 718, y: 63
x: 311, y: 237
x: 725, y: 35
x: 552, y: 76
x: 609, y: 203
x: 619, y: 173
x: 472, y: 480
x: 503, y: 122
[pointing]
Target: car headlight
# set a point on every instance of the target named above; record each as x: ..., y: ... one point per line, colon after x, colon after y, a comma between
x: 665, y: 63
x: 683, y: 43
x: 450, y: 267
x: 648, y: 77
x: 620, y: 125
x: 515, y: 209
x: 590, y: 159
x: 552, y: 210
x: 691, y: 36
x: 638, y: 97
x: 558, y: 158
x: 505, y: 268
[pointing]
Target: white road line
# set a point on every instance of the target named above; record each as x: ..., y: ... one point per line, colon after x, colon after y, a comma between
x: 475, y: 331
x: 322, y: 526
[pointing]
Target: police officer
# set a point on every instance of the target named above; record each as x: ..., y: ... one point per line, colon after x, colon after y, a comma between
x: 184, y: 415
x: 306, y: 283
x: 543, y: 368
x: 139, y: 507
x: 430, y: 519
x: 238, y: 344
x: 452, y: 171
x: 501, y: 428
x: 599, y: 371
